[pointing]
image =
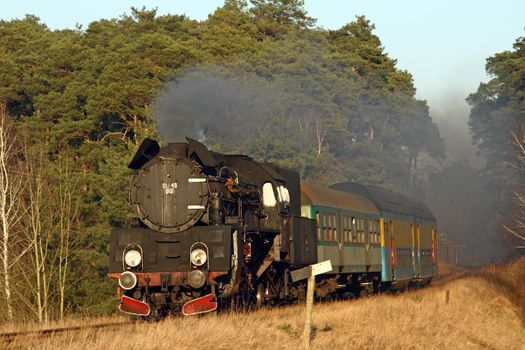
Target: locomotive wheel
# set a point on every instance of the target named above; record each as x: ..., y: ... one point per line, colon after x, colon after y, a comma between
x: 260, y: 295
x: 245, y: 299
x: 275, y: 279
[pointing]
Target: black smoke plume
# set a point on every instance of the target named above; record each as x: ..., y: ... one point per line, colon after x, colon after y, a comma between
x: 203, y: 102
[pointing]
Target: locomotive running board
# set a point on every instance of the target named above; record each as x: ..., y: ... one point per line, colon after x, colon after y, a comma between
x: 202, y: 305
x: 133, y: 306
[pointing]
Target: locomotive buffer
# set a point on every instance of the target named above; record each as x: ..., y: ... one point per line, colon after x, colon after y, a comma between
x: 310, y: 272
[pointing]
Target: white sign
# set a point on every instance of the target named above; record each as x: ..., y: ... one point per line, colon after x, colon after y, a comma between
x: 312, y: 270
x: 322, y: 267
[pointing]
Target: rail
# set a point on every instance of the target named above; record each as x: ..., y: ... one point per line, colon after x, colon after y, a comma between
x: 9, y: 337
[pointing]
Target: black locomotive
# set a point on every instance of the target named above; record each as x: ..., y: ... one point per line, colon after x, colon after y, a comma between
x: 211, y: 228
x: 225, y: 231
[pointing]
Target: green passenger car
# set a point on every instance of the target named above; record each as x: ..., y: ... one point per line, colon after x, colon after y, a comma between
x: 372, y: 236
x: 347, y: 225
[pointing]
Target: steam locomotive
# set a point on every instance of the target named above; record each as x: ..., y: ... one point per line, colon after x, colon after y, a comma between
x: 224, y: 231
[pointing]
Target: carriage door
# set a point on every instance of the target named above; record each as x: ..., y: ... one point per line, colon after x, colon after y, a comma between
x: 414, y: 228
x: 340, y: 237
x: 434, y: 250
x: 418, y: 251
x: 393, y: 248
x: 366, y: 233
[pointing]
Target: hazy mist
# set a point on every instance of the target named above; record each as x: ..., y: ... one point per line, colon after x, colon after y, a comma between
x: 214, y: 103
x: 464, y: 201
x: 451, y: 113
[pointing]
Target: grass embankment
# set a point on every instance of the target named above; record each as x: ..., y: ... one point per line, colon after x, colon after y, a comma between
x: 484, y: 311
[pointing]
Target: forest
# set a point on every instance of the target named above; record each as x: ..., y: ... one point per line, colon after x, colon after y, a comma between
x: 257, y: 78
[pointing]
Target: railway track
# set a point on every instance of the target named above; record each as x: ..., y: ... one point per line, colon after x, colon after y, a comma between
x: 9, y: 337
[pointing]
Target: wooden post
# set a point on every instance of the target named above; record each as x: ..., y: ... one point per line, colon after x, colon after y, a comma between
x: 309, y: 308
x: 310, y: 272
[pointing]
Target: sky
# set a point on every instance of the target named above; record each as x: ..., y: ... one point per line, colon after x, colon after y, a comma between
x: 443, y: 43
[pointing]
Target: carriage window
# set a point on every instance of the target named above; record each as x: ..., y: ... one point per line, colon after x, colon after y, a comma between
x: 334, y: 225
x: 317, y: 225
x: 344, y: 228
x: 358, y: 229
x: 354, y: 230
x: 361, y: 223
x: 332, y: 228
x: 325, y: 227
x: 368, y: 228
x: 364, y: 228
x: 349, y: 223
x: 322, y: 226
x: 268, y: 195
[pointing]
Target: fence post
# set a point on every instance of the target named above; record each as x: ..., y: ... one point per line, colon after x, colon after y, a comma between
x: 309, y: 309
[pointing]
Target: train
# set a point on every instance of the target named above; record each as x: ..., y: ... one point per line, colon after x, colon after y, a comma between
x: 454, y: 254
x: 224, y: 232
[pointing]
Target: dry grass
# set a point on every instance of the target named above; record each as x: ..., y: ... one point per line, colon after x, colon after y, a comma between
x: 480, y: 314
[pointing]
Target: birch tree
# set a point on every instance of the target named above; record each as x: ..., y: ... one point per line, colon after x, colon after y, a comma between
x: 518, y: 229
x: 37, y: 227
x: 10, y: 189
x: 51, y: 217
x: 68, y: 222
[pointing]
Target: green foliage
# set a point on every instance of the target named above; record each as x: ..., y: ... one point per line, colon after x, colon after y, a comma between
x: 331, y: 104
x: 277, y: 17
x: 497, y: 122
x: 498, y: 107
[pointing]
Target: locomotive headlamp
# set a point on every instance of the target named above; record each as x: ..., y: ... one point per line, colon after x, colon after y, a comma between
x: 198, y: 257
x: 132, y: 258
x: 127, y: 280
x: 196, y: 279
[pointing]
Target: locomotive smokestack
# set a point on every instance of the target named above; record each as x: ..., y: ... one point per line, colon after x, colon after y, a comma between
x: 201, y: 135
